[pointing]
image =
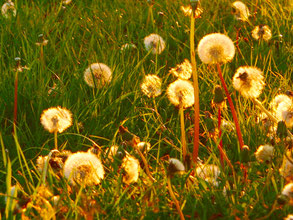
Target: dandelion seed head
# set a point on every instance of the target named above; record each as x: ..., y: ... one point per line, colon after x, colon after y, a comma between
x: 262, y: 32
x: 56, y: 119
x: 132, y: 168
x: 97, y: 75
x: 286, y: 169
x: 127, y: 46
x: 66, y: 2
x: 182, y: 70
x: 151, y: 86
x: 209, y: 173
x: 175, y: 166
x: 241, y: 11
x: 288, y: 190
x: 41, y: 160
x: 8, y: 9
x: 264, y: 153
x: 289, y: 217
x: 181, y: 91
x: 155, y: 43
x: 248, y: 81
x: 274, y: 104
x: 83, y: 168
x: 144, y: 146
x: 216, y: 48
x: 284, y: 112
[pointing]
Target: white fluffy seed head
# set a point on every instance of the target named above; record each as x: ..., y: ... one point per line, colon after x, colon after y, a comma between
x: 241, y: 11
x: 155, y: 43
x: 151, y: 86
x: 97, y: 75
x: 131, y: 168
x: 181, y: 92
x: 216, y: 48
x: 264, y: 153
x: 83, y: 168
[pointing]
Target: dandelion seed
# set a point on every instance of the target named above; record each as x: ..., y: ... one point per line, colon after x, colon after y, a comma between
x: 155, y: 43
x: 262, y: 32
x: 183, y: 70
x: 274, y: 104
x: 83, y: 168
x: 209, y: 173
x: 151, y: 86
x: 132, y: 168
x: 264, y: 153
x: 286, y: 169
x: 181, y: 91
x: 187, y: 11
x: 56, y: 119
x: 216, y: 48
x: 8, y: 9
x: 97, y: 75
x: 248, y: 81
x: 241, y: 11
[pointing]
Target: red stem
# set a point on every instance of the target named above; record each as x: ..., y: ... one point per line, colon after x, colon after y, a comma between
x: 238, y: 131
x: 220, y: 146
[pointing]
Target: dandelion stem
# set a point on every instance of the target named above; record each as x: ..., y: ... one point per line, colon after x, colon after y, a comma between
x: 183, y: 137
x: 15, y: 101
x: 55, y: 140
x: 174, y: 198
x: 196, y: 92
x: 238, y: 131
x: 220, y: 146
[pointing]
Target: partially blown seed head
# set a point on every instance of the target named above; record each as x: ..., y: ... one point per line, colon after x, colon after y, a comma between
x: 248, y: 81
x: 241, y: 11
x: 151, y: 86
x: 182, y: 70
x: 262, y: 32
x: 132, y: 168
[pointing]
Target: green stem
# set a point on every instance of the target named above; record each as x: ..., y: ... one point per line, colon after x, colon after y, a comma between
x: 15, y: 101
x: 196, y: 92
x: 183, y: 137
x: 235, y: 118
x: 55, y: 140
x: 174, y: 198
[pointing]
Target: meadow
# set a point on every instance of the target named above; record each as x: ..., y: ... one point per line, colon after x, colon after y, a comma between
x: 47, y: 46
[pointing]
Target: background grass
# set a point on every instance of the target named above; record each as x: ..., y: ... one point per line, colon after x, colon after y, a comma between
x: 85, y: 32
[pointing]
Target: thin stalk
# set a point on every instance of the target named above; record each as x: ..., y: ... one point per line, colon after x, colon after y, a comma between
x: 183, y: 137
x: 196, y: 92
x: 235, y: 118
x: 15, y: 101
x: 174, y: 198
x: 55, y: 140
x: 220, y: 146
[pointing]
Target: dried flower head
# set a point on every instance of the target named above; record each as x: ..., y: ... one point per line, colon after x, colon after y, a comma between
x: 155, y: 43
x: 216, y: 48
x: 264, y: 153
x: 182, y: 70
x: 262, y: 32
x: 83, y: 168
x: 8, y: 9
x: 284, y: 112
x: 240, y: 10
x: 151, y: 86
x: 56, y: 119
x: 187, y: 11
x: 286, y: 169
x: 181, y: 92
x: 97, y: 75
x: 209, y: 173
x: 132, y: 168
x: 248, y: 81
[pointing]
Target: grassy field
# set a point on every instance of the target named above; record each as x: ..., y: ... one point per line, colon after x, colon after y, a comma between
x: 86, y: 32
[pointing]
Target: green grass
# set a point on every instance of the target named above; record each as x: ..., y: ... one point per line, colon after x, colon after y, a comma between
x: 86, y: 32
